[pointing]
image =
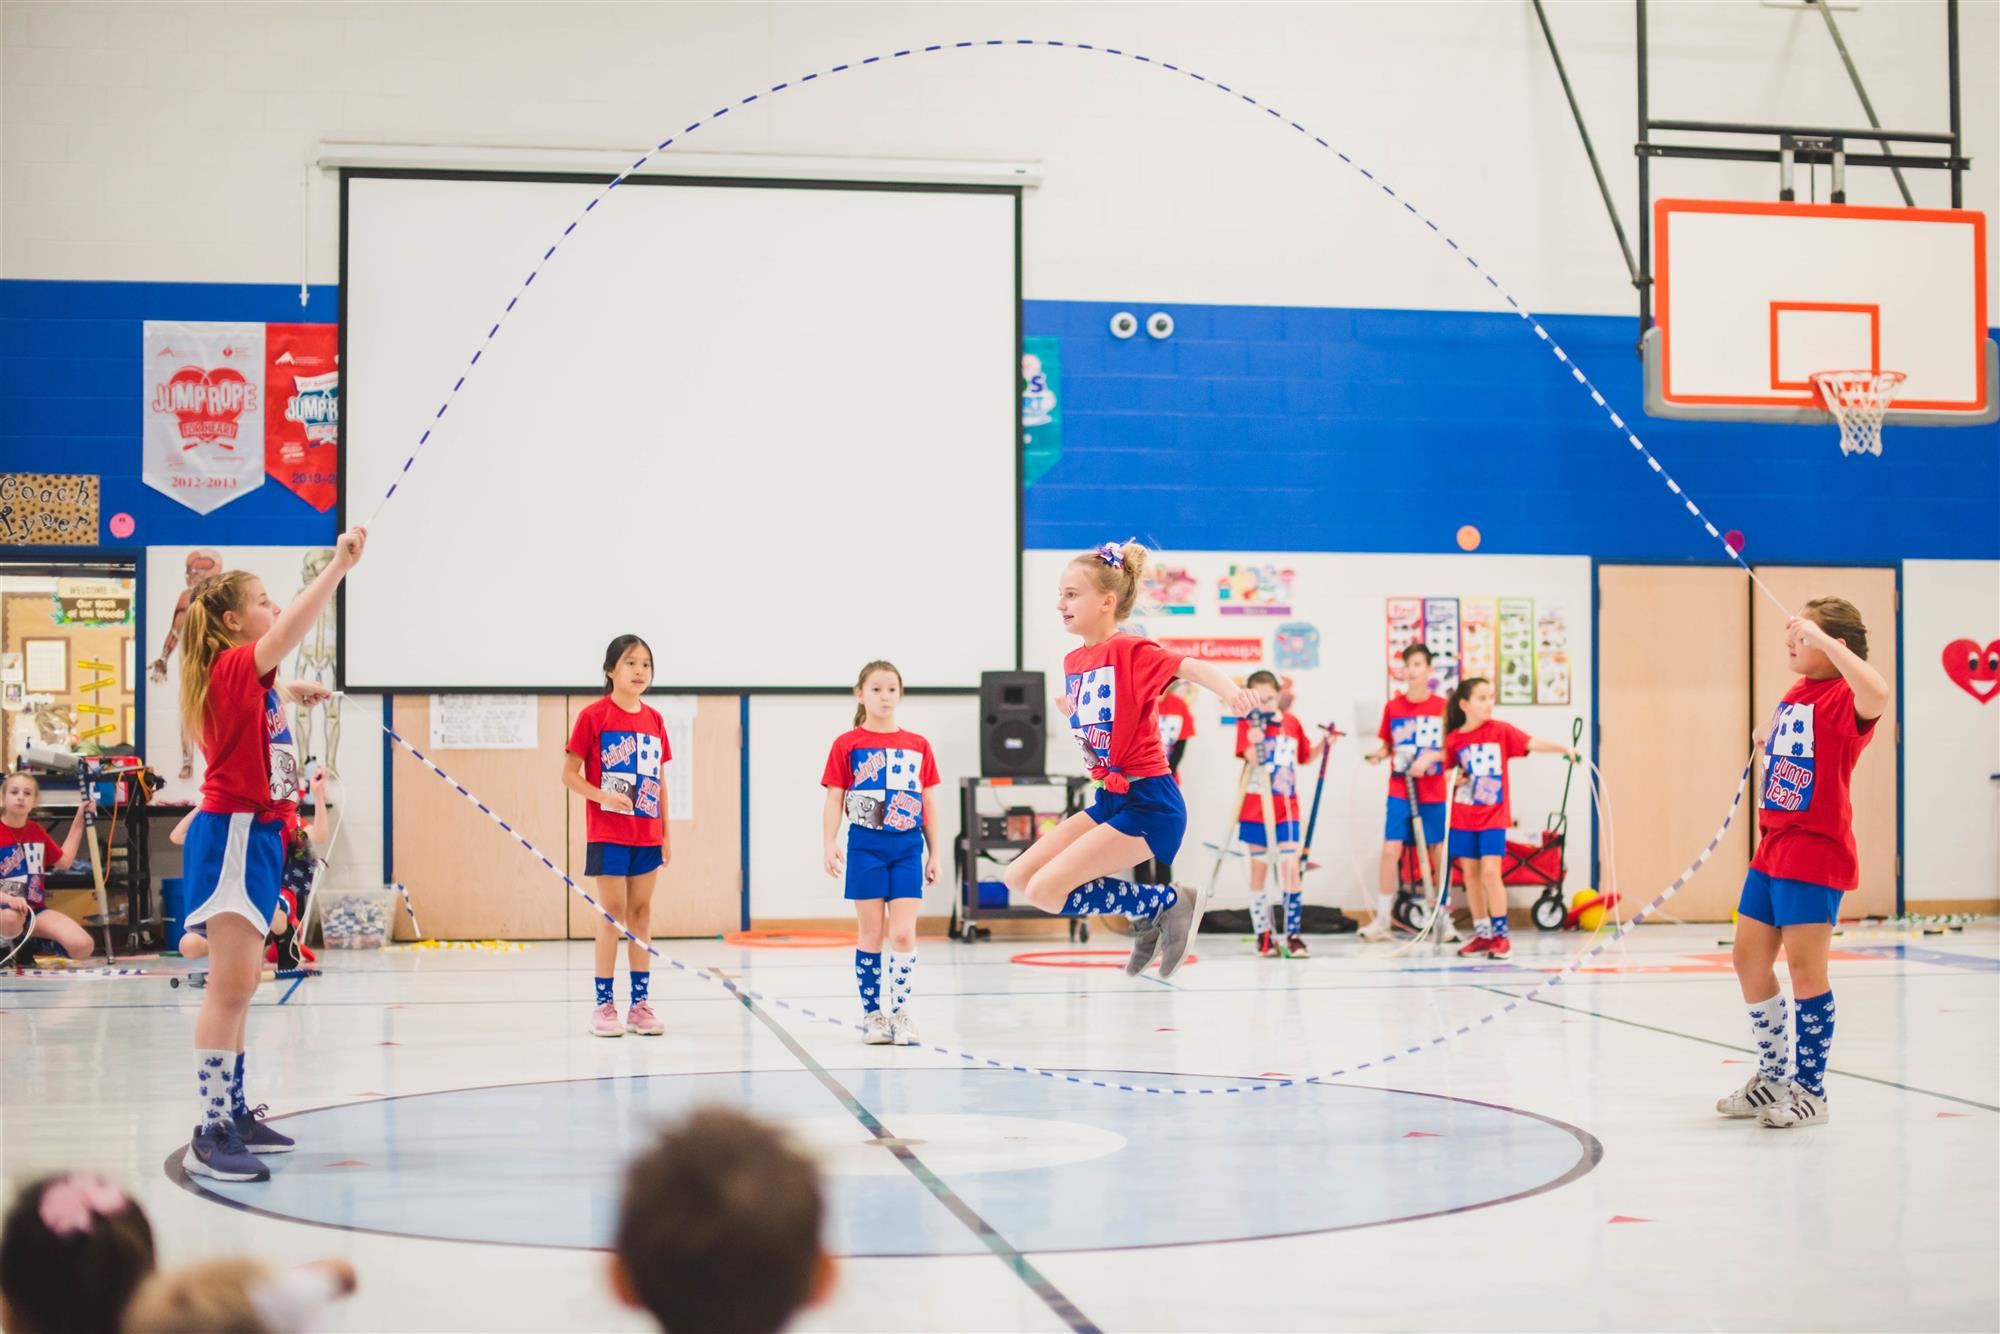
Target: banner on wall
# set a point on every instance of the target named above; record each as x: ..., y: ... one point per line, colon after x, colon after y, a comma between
x: 48, y: 509
x: 302, y: 426
x: 204, y: 411
x: 1215, y: 649
x: 1041, y: 407
x: 93, y: 602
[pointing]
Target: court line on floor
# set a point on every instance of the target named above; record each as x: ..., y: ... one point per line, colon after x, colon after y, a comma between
x: 1731, y: 1046
x: 1017, y: 1264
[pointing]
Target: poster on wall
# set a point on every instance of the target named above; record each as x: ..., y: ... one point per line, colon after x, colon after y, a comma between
x: 302, y: 426
x: 1551, y: 657
x: 203, y: 439
x: 1441, y: 638
x: 1041, y: 407
x: 1517, y: 650
x: 1406, y: 627
x: 484, y: 722
x: 1167, y: 590
x: 48, y: 509
x: 677, y: 712
x: 1255, y: 590
x: 93, y: 602
x: 172, y: 572
x: 1295, y: 646
x: 1478, y: 645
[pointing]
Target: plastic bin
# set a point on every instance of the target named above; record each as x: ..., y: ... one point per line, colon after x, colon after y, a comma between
x: 356, y: 919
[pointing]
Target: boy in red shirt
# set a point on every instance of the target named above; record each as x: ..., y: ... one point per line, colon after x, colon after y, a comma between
x: 1281, y: 747
x: 1805, y: 860
x: 1412, y: 739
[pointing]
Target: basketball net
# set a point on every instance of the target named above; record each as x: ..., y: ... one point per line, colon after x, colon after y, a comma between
x: 1858, y: 400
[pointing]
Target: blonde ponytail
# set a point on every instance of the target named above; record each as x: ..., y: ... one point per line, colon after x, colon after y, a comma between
x: 204, y: 638
x: 1121, y: 579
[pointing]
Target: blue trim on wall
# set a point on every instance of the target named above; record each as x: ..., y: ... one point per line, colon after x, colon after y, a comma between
x: 388, y: 792
x: 743, y: 772
x: 1896, y: 737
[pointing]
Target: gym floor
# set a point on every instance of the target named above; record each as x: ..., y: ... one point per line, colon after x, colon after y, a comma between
x: 1558, y: 1168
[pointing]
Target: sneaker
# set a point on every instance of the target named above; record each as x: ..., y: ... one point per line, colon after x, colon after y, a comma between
x: 903, y: 1029
x: 1145, y: 944
x: 1267, y: 944
x: 1295, y: 947
x: 258, y: 1137
x: 1752, y: 1098
x: 217, y: 1150
x: 876, y: 1031
x: 1797, y: 1106
x: 1448, y: 931
x: 289, y: 950
x: 1377, y: 930
x: 1501, y: 947
x: 640, y: 1019
x: 1176, y: 924
x: 604, y: 1022
x: 1477, y: 945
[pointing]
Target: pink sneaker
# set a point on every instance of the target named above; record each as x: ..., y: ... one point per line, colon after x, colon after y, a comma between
x: 604, y: 1022
x: 640, y: 1019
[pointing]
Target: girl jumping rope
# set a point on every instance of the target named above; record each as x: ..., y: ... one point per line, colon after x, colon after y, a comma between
x: 616, y: 761
x: 881, y: 779
x: 1480, y: 746
x: 1805, y: 861
x: 1111, y: 692
x: 233, y: 862
x: 27, y: 857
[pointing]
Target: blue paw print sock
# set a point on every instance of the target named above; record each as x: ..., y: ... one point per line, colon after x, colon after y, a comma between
x: 1295, y: 911
x: 642, y: 985
x: 1499, y: 925
x: 902, y: 980
x: 1105, y: 895
x: 1812, y: 1023
x: 603, y: 990
x: 868, y: 979
x: 238, y: 1105
x: 213, y: 1071
x: 1771, y: 1031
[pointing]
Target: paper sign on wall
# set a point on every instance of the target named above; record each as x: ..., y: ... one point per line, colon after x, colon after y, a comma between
x: 484, y: 722
x: 1167, y: 590
x: 48, y: 509
x: 677, y: 712
x: 1255, y: 590
x: 204, y: 412
x: 1441, y: 638
x: 1551, y: 657
x: 1216, y: 649
x: 1406, y: 627
x: 1477, y: 645
x: 1517, y: 650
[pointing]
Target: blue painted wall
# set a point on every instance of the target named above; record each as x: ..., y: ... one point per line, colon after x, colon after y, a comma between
x: 1252, y: 427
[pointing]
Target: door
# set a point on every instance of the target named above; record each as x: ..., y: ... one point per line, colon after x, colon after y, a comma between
x: 1673, y: 705
x: 1873, y: 592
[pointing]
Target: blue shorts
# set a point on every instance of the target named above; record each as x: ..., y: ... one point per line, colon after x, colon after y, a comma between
x: 1787, y: 902
x: 1152, y: 810
x: 232, y: 864
x: 884, y: 865
x: 621, y: 859
x: 1252, y: 832
x: 1478, y: 842
x: 1396, y: 829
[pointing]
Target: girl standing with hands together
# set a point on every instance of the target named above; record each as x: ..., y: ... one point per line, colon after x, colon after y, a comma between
x: 233, y: 861
x: 880, y: 778
x: 616, y: 762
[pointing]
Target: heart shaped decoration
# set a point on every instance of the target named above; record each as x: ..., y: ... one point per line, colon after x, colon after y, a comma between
x: 1973, y: 669
x: 208, y: 404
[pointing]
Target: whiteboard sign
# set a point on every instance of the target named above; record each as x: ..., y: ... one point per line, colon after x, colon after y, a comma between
x: 677, y: 712
x: 483, y: 722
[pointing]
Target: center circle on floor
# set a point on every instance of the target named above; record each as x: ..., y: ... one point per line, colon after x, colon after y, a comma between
x: 1046, y: 1165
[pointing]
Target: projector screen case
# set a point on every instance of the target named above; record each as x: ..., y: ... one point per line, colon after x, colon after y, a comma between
x: 773, y: 427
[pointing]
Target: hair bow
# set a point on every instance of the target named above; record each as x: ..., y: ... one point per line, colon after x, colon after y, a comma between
x: 1113, y: 554
x: 70, y: 1204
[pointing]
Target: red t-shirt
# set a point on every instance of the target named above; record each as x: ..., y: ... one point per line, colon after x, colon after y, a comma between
x: 885, y: 775
x: 1111, y: 692
x: 1483, y: 800
x: 247, y: 741
x: 625, y: 753
x: 26, y: 855
x: 1281, y: 753
x: 1412, y: 731
x: 1807, y: 816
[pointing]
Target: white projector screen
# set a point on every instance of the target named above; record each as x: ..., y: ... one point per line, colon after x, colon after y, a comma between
x: 773, y: 429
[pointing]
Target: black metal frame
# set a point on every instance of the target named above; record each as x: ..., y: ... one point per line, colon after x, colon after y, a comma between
x: 1796, y: 143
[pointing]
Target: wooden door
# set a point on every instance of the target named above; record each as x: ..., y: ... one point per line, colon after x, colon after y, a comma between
x: 1873, y: 592
x: 1673, y: 708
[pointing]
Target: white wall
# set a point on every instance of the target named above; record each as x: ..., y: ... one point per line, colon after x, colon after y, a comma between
x: 1343, y: 595
x: 168, y: 141
x: 789, y: 739
x: 1951, y: 801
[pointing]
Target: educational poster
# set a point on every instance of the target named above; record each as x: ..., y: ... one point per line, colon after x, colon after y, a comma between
x: 1551, y: 657
x: 1041, y: 407
x: 1477, y: 638
x: 203, y: 437
x: 48, y: 509
x: 302, y: 428
x: 1295, y: 647
x: 1167, y: 590
x: 1441, y: 638
x: 1406, y: 627
x: 1255, y: 590
x: 485, y: 722
x: 1517, y: 650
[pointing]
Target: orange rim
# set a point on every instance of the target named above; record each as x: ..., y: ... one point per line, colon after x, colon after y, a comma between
x: 789, y: 940
x: 1082, y: 959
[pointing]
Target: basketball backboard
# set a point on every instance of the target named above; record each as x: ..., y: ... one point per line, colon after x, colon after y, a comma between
x: 1753, y: 298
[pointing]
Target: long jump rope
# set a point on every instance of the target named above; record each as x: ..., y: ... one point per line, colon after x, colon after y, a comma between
x: 1245, y: 100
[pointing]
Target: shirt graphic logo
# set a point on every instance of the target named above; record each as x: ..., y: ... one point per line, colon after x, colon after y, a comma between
x: 886, y: 788
x: 1488, y: 774
x: 284, y: 760
x: 1788, y: 760
x: 629, y: 763
x: 21, y: 869
x: 1089, y: 698
x: 1410, y: 738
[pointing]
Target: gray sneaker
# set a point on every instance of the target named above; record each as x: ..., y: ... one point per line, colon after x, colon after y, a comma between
x: 875, y: 1029
x: 1748, y: 1102
x: 903, y: 1029
x: 1145, y: 943
x: 1176, y: 928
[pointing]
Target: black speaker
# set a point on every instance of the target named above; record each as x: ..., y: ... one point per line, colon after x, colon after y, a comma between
x: 1013, y: 729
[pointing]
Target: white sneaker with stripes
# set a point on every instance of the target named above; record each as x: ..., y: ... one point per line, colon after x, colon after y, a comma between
x: 1799, y: 1107
x: 1753, y: 1097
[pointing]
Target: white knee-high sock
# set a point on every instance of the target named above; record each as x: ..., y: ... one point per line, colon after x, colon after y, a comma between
x: 901, y: 970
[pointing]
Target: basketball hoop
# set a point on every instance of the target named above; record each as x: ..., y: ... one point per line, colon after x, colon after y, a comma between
x: 1858, y: 400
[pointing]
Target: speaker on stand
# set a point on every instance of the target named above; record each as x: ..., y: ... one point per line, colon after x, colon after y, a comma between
x: 1013, y: 726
